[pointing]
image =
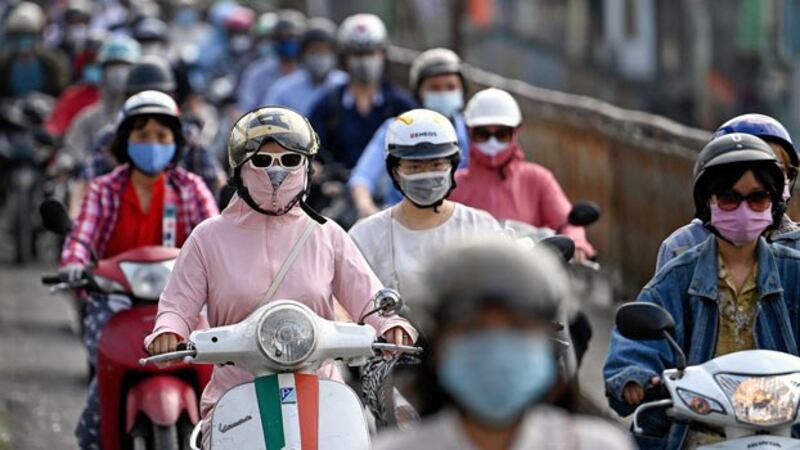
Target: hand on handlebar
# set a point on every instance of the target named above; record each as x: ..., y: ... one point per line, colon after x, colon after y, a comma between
x: 72, y: 273
x: 633, y: 393
x: 164, y: 343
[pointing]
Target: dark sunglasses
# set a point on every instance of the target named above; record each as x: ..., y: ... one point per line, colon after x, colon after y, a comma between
x: 288, y: 160
x: 730, y: 200
x: 503, y: 134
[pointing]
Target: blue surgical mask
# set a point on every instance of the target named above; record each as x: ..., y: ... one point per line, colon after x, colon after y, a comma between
x: 266, y: 50
x: 447, y: 103
x: 287, y: 48
x: 187, y: 17
x: 151, y: 158
x: 93, y: 74
x: 25, y: 42
x: 495, y: 375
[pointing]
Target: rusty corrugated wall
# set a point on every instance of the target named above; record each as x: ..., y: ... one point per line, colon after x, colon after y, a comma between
x: 636, y: 166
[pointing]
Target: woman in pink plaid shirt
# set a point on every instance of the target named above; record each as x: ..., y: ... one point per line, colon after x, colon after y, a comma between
x: 127, y: 208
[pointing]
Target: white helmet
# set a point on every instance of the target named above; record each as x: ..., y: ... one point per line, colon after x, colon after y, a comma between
x: 421, y: 134
x: 362, y: 33
x: 492, y: 107
x: 25, y: 18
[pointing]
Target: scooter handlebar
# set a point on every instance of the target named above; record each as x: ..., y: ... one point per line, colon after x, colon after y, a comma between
x: 397, y: 348
x: 51, y: 279
x: 165, y: 357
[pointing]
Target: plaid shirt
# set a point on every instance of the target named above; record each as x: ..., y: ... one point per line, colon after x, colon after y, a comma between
x: 101, y: 205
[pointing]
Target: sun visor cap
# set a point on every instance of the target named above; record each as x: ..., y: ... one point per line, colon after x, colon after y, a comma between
x: 425, y: 150
x: 287, y: 128
x: 742, y: 155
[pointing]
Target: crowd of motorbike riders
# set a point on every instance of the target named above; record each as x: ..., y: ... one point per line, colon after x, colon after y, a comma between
x: 236, y: 136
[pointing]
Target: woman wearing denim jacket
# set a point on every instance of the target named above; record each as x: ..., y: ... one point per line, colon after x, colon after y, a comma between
x: 733, y: 292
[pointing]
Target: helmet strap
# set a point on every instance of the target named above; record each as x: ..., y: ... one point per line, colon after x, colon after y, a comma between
x: 244, y: 194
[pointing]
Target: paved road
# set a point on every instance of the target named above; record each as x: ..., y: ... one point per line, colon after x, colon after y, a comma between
x: 43, y: 370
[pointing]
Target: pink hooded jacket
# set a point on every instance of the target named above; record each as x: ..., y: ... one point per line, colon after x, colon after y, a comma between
x: 508, y: 187
x: 228, y: 263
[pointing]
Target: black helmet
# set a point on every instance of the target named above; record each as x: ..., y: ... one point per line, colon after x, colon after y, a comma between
x: 319, y: 29
x: 151, y: 29
x: 735, y: 148
x: 150, y: 73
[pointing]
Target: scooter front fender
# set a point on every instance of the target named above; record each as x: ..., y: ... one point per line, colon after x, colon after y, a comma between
x: 162, y: 399
x: 760, y: 441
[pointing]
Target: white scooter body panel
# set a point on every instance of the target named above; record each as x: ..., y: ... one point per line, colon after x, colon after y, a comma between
x: 701, y: 380
x: 342, y: 424
x: 765, y: 442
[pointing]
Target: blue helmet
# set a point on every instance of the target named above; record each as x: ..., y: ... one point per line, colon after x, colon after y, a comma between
x: 764, y: 127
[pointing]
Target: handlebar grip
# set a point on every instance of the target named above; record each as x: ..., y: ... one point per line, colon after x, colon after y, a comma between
x: 51, y: 279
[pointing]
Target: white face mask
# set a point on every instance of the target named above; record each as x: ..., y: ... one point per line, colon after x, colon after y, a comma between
x: 492, y: 147
x: 426, y: 188
x: 447, y: 103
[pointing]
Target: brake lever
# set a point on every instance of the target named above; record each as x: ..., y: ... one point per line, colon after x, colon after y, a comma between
x: 397, y: 348
x: 171, y: 356
x: 68, y: 285
x: 666, y: 403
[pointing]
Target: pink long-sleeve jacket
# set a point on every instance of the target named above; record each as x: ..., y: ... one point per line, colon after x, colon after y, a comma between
x: 508, y: 187
x: 228, y: 263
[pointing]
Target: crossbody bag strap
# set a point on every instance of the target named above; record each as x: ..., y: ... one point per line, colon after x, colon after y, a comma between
x: 287, y: 264
x: 169, y: 219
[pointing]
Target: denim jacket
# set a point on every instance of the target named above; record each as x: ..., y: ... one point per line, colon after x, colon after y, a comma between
x: 687, y: 288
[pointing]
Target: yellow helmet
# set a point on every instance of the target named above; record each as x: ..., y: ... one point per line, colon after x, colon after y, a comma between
x: 282, y: 125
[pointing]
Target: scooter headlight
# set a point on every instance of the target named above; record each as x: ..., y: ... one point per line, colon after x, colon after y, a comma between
x: 762, y: 401
x: 147, y: 280
x: 286, y: 335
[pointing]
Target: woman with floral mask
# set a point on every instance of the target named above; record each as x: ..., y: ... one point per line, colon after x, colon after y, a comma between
x: 144, y: 201
x: 267, y: 244
x: 492, y: 362
x: 421, y: 157
x: 499, y: 179
x: 733, y: 292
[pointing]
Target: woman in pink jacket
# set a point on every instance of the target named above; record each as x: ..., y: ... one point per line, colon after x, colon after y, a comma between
x: 229, y: 262
x: 500, y: 181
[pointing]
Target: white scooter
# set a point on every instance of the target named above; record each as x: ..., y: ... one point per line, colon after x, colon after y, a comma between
x: 287, y: 406
x: 753, y: 395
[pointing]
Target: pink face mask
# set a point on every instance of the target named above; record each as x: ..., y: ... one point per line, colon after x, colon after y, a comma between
x: 742, y: 225
x: 260, y: 185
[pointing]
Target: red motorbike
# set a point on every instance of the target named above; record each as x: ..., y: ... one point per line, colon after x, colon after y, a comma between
x: 140, y: 407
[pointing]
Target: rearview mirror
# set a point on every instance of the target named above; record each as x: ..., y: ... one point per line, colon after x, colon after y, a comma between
x: 642, y: 321
x: 584, y: 213
x: 563, y: 245
x: 55, y: 217
x: 388, y: 302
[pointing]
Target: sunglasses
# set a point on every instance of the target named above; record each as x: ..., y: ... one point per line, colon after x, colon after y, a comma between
x: 730, y: 200
x: 287, y: 160
x: 503, y: 134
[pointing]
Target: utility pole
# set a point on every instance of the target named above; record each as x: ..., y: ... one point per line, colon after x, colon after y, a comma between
x: 456, y: 40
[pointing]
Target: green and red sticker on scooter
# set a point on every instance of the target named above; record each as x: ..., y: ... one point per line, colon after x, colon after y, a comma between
x: 289, y: 408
